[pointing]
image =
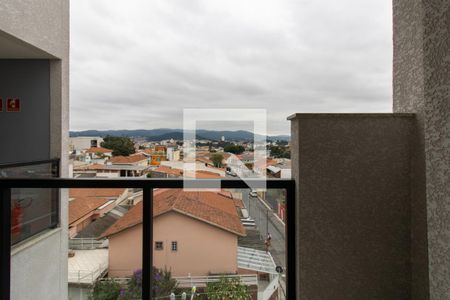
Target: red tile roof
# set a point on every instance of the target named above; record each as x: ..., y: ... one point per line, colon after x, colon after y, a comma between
x: 106, y: 193
x: 200, y: 174
x: 128, y: 159
x: 169, y: 170
x: 79, y: 207
x: 84, y: 201
x: 209, y: 207
x: 90, y: 167
x: 98, y: 149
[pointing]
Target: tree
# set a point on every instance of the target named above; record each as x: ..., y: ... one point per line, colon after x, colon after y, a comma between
x: 227, y: 288
x: 105, y: 290
x: 217, y: 159
x: 235, y: 149
x: 120, y: 145
x: 279, y: 152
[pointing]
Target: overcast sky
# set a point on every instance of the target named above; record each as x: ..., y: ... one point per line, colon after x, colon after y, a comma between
x: 138, y: 64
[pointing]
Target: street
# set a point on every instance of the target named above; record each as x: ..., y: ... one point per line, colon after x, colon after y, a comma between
x: 266, y: 221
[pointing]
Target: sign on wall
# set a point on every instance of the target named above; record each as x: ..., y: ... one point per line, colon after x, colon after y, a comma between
x: 13, y: 105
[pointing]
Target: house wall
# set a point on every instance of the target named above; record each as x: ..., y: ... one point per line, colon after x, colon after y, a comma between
x: 39, y: 29
x: 108, y: 174
x: 125, y: 252
x: 202, y: 248
x: 353, y: 178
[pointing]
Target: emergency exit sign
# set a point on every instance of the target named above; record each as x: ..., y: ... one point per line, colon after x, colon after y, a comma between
x: 13, y: 105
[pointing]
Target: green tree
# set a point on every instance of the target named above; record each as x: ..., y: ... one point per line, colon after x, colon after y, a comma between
x: 235, y: 149
x: 217, y: 159
x: 120, y: 145
x: 105, y: 290
x: 227, y: 288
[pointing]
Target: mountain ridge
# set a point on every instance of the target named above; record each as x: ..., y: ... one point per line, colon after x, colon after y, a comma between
x: 168, y: 133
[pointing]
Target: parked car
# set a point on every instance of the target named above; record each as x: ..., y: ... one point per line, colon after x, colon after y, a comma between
x: 253, y: 193
x: 231, y: 173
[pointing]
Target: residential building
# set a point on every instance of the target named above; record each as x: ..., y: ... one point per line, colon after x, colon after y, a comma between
x: 137, y: 159
x: 99, y: 152
x: 34, y: 64
x: 371, y: 189
x: 156, y: 155
x: 110, y: 170
x: 198, y: 167
x: 173, y: 154
x: 194, y: 233
x: 81, y: 143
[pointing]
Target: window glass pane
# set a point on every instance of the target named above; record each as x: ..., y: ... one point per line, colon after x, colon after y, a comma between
x: 105, y: 227
x: 229, y: 237
x: 32, y: 210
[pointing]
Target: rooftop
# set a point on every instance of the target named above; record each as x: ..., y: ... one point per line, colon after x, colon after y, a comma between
x: 98, y: 150
x: 86, y: 266
x: 209, y: 207
x: 134, y: 158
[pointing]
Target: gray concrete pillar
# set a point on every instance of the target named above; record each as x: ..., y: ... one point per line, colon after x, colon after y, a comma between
x: 352, y: 173
x: 422, y: 86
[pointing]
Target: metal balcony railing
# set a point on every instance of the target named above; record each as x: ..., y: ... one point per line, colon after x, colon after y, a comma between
x: 147, y: 185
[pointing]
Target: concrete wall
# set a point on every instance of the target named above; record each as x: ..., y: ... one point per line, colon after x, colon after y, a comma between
x: 353, y: 190
x: 422, y: 86
x: 83, y: 142
x: 25, y: 135
x: 39, y: 29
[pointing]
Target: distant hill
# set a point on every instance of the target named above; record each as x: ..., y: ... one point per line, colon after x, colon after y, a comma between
x: 176, y: 134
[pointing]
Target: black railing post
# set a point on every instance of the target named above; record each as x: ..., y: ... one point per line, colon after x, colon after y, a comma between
x: 291, y: 263
x: 147, y: 242
x: 5, y: 243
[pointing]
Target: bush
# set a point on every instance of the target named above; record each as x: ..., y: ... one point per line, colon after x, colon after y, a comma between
x: 105, y: 290
x: 163, y: 283
x: 227, y: 288
x: 134, y: 288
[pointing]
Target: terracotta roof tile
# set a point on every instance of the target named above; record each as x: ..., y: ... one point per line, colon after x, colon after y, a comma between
x: 79, y: 207
x: 209, y: 207
x: 90, y: 167
x: 106, y: 193
x: 169, y: 170
x: 202, y: 174
x: 128, y: 159
x: 98, y: 149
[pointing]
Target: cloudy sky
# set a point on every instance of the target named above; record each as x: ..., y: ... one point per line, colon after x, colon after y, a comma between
x: 138, y: 64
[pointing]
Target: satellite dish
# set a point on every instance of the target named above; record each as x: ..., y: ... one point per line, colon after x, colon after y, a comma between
x: 279, y: 269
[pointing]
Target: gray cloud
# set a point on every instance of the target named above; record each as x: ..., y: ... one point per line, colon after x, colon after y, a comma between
x: 137, y: 64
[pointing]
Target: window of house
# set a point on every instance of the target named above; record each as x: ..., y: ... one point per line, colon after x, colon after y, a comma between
x: 174, y: 246
x: 159, y: 245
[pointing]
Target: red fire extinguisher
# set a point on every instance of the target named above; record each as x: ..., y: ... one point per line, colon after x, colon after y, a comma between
x: 17, y: 213
x: 16, y: 219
